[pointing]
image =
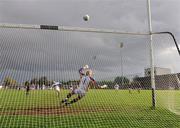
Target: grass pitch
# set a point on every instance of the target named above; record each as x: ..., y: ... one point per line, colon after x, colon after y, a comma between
x: 99, y: 108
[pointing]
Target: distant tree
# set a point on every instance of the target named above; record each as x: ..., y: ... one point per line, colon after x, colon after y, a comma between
x: 50, y: 82
x: 34, y: 81
x: 121, y: 80
x: 8, y: 81
x: 43, y: 80
x: 109, y: 83
x: 69, y: 82
x: 63, y: 82
x: 135, y: 78
x: 27, y: 83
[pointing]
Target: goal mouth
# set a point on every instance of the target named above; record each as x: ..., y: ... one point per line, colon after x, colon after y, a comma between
x: 35, y: 57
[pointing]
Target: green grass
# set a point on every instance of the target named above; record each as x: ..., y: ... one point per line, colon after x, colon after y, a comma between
x: 98, y: 109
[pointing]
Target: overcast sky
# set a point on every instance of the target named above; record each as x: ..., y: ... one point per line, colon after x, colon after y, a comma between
x: 58, y: 55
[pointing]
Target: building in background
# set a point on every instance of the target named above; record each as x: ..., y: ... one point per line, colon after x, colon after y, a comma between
x: 157, y: 71
x: 164, y: 79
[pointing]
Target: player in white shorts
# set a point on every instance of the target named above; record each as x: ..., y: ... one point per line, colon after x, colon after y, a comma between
x: 56, y: 86
x: 116, y: 87
x: 82, y: 89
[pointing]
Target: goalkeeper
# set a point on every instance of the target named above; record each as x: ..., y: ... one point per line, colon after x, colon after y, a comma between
x: 82, y: 89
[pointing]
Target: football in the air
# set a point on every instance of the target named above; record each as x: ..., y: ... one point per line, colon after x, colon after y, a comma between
x: 86, y: 17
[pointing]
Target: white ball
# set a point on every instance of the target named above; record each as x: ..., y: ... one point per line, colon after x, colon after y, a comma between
x: 86, y: 66
x: 86, y: 17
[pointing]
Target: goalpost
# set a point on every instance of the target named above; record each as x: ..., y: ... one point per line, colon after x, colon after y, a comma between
x: 37, y: 55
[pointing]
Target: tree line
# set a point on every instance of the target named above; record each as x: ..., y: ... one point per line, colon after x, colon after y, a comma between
x: 43, y: 81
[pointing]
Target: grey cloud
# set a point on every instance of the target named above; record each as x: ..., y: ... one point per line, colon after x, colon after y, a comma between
x: 60, y: 54
x: 47, y: 52
x: 106, y: 14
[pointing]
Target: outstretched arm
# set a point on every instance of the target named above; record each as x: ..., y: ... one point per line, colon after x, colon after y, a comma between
x: 94, y: 82
x: 81, y: 71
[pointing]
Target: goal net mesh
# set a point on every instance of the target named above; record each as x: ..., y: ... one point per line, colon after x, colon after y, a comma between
x: 32, y: 60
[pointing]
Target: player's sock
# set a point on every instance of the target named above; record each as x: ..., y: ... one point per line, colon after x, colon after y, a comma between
x: 69, y: 95
x: 67, y: 103
x: 65, y: 100
x: 73, y: 101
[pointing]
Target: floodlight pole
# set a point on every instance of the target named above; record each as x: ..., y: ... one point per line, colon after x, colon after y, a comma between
x: 151, y: 55
x: 122, y: 73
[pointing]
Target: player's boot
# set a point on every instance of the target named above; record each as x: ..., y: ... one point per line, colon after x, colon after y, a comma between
x: 67, y: 103
x: 65, y: 100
